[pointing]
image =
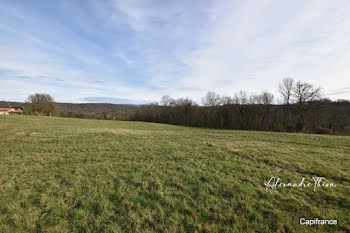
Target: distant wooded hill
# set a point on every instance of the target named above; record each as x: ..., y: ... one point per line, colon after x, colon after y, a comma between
x: 83, y: 108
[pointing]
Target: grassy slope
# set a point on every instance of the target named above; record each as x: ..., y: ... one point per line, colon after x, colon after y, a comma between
x: 72, y: 175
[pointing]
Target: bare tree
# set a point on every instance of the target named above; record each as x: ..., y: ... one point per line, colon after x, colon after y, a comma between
x: 225, y: 112
x: 266, y: 99
x: 185, y: 107
x: 305, y: 92
x: 305, y: 95
x: 42, y: 103
x: 167, y: 101
x: 226, y: 100
x: 243, y: 97
x: 254, y: 99
x: 286, y: 90
x: 241, y: 100
x: 211, y: 99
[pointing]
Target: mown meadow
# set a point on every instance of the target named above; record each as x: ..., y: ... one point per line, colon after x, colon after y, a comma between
x: 76, y: 175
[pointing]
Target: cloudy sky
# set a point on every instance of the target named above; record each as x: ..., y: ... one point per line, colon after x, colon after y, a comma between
x: 137, y: 51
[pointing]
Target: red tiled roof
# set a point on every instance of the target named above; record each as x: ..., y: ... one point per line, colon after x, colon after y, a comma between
x: 10, y: 110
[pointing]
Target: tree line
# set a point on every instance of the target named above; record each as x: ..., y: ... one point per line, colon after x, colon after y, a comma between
x: 299, y: 108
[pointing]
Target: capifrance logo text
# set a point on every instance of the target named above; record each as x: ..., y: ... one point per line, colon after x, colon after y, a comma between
x: 316, y: 221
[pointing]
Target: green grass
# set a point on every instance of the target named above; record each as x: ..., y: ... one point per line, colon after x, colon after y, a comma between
x: 73, y: 175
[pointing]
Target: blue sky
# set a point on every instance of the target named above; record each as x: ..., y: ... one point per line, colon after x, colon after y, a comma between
x: 137, y: 51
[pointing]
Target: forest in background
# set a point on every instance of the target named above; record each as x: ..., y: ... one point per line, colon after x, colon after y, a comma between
x: 298, y: 108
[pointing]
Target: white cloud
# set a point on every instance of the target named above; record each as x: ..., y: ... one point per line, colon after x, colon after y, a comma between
x: 143, y: 50
x: 254, y: 45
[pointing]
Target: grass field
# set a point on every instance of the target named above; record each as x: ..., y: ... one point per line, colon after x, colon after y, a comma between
x: 74, y: 175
